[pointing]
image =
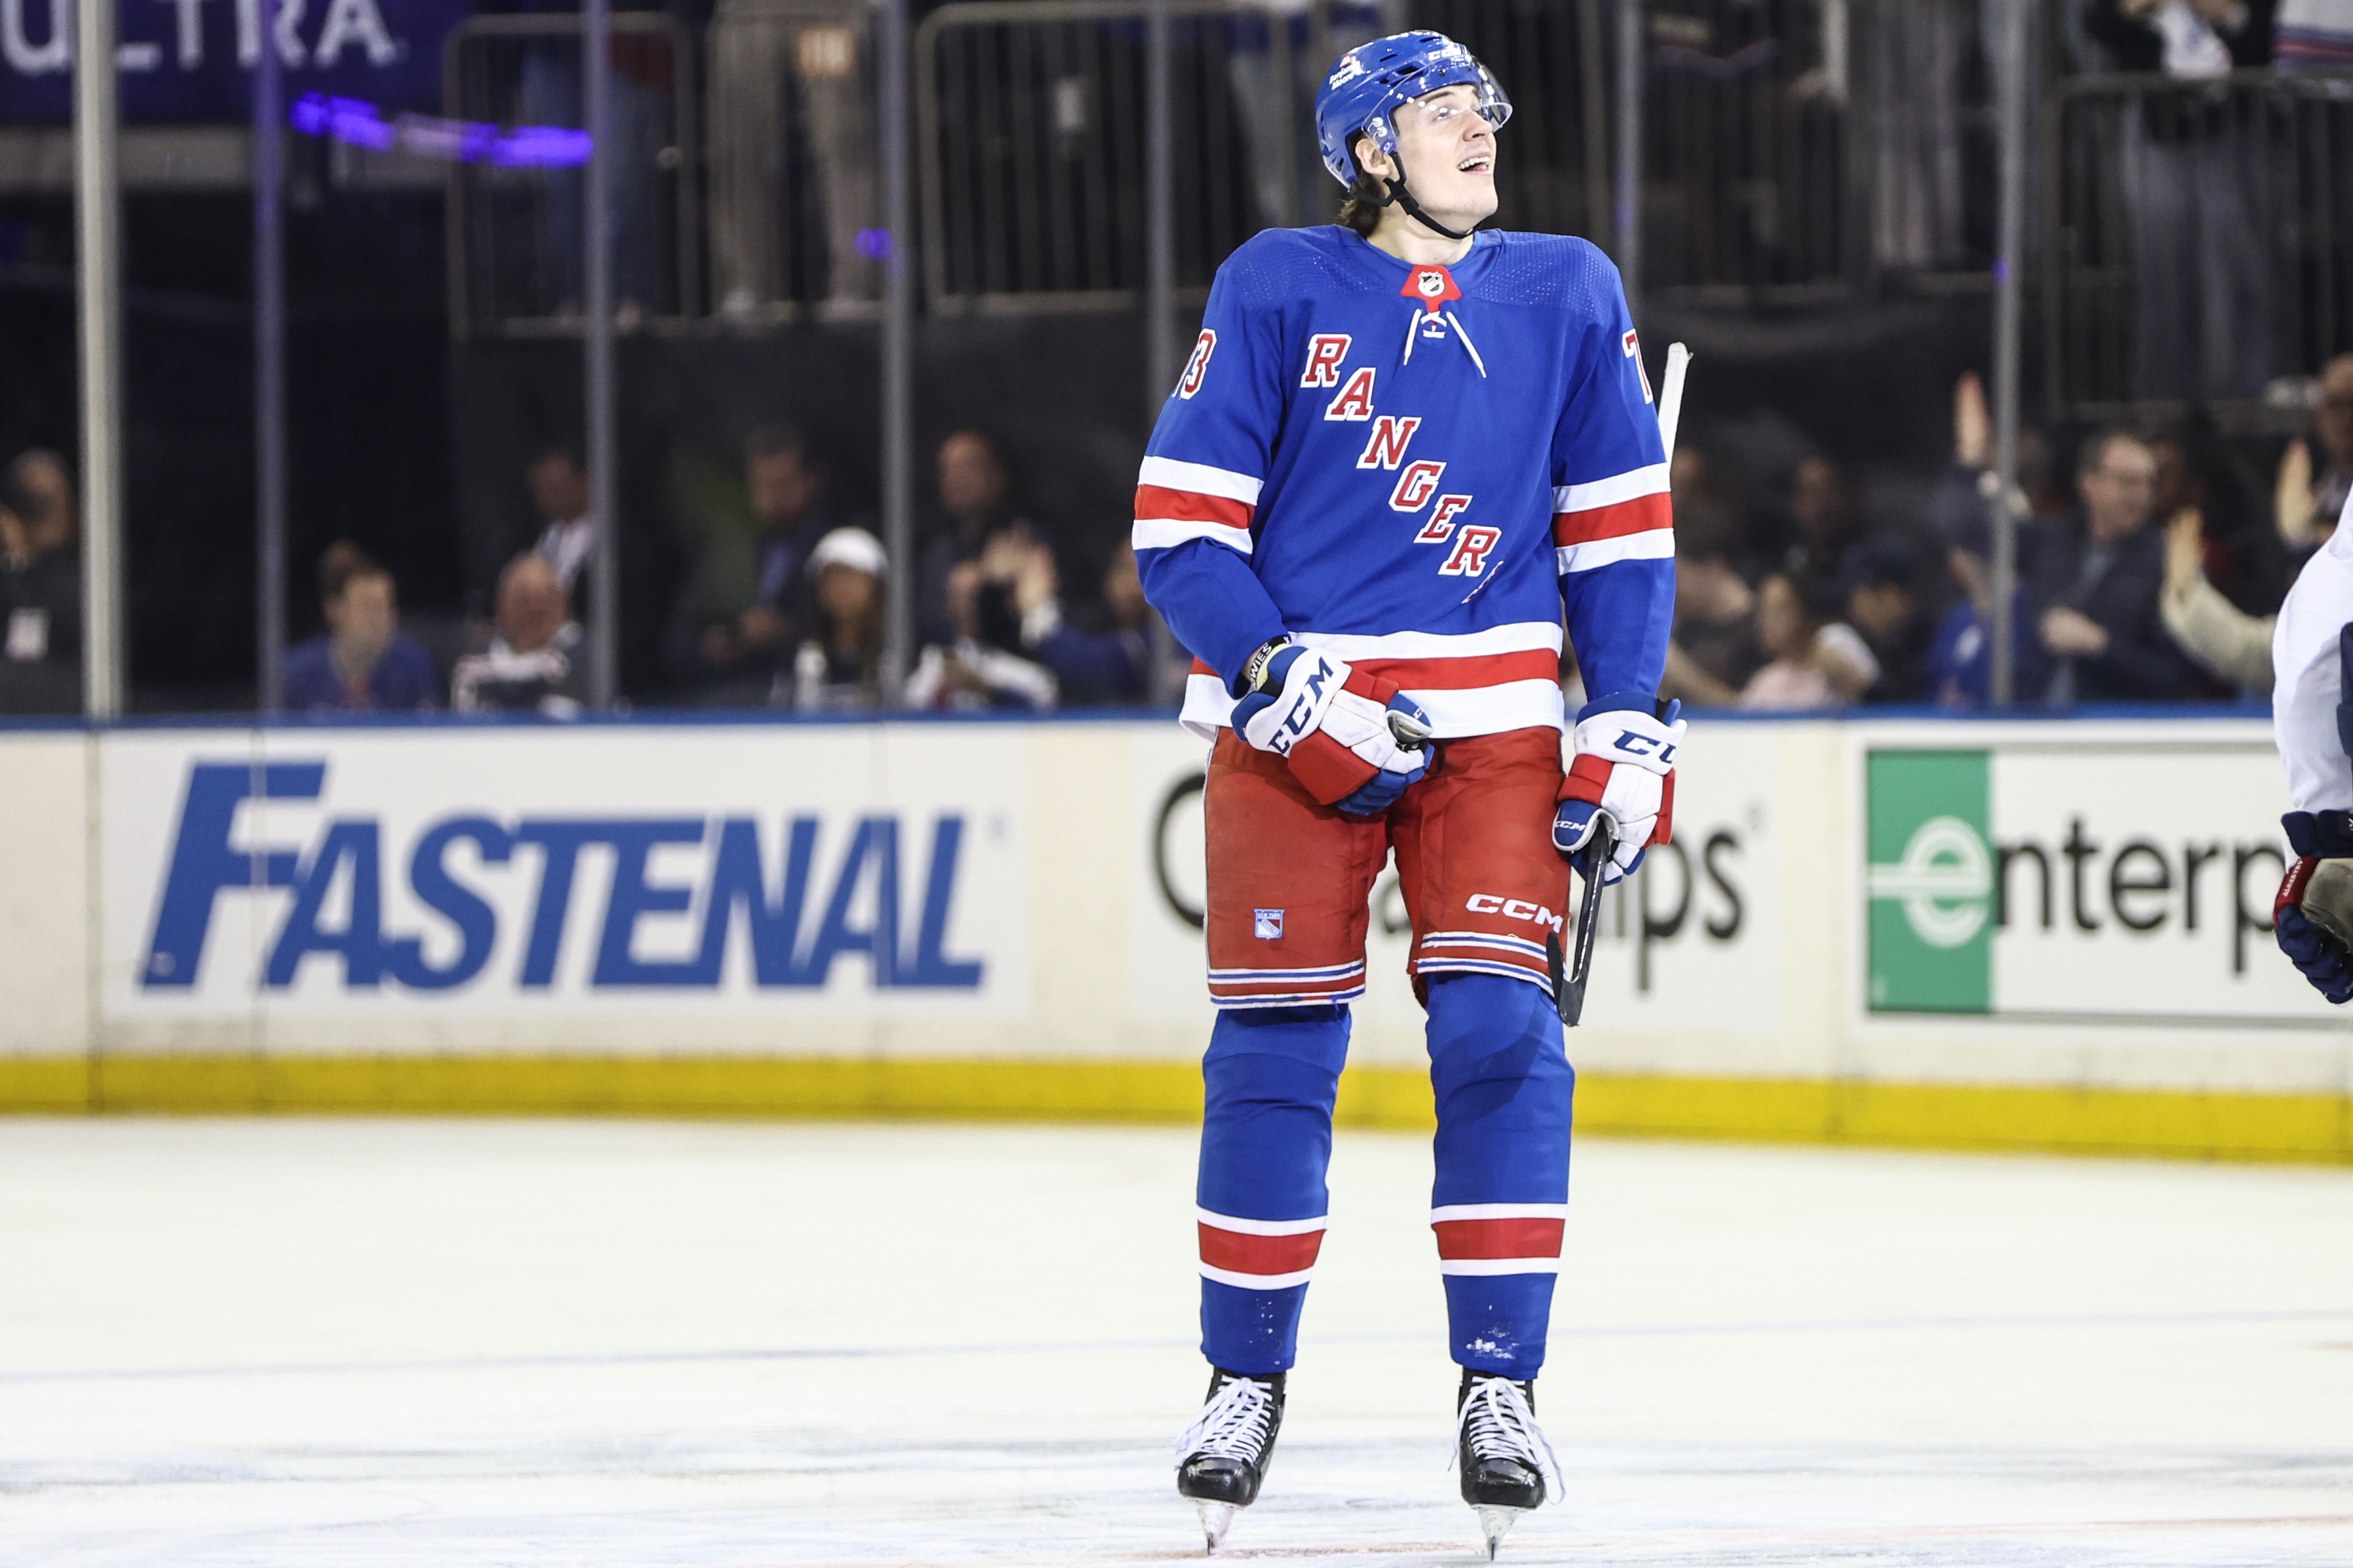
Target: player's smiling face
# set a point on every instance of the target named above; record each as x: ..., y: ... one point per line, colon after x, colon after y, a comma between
x: 1448, y: 152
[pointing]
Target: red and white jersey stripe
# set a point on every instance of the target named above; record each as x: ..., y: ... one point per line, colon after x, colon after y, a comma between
x: 1179, y: 501
x: 1483, y: 952
x: 1627, y: 517
x: 1499, y: 1238
x: 1287, y: 987
x: 1259, y: 1254
x: 1471, y: 683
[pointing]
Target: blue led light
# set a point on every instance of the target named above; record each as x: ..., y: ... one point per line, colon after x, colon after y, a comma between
x: 361, y: 124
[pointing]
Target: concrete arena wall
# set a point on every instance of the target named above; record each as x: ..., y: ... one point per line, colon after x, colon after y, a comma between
x: 1957, y: 934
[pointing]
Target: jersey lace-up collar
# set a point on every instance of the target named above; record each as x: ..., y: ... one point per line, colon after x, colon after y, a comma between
x: 1432, y: 287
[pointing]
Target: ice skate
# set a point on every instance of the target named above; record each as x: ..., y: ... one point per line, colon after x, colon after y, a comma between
x: 1502, y: 1452
x: 1223, y: 1454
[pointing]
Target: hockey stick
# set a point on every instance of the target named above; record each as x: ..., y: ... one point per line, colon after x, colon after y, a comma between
x: 1568, y: 988
x: 1671, y: 396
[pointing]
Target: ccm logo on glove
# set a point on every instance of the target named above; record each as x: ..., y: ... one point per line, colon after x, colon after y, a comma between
x: 1338, y: 727
x: 1634, y: 743
x: 1624, y: 770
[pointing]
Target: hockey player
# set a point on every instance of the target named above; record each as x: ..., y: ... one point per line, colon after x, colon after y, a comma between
x: 2312, y: 718
x: 1399, y: 452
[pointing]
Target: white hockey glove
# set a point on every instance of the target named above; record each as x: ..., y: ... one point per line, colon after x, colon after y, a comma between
x: 1625, y: 767
x: 1351, y: 740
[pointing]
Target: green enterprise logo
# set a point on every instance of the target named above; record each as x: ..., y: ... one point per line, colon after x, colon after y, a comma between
x: 1930, y: 882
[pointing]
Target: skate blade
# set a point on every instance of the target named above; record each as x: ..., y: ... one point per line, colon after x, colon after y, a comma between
x: 1217, y: 1518
x: 1495, y: 1523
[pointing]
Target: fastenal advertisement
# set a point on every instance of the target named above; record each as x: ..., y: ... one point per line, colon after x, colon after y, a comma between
x: 2073, y: 877
x: 826, y: 869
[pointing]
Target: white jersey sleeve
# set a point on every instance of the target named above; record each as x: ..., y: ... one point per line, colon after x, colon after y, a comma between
x: 2308, y: 676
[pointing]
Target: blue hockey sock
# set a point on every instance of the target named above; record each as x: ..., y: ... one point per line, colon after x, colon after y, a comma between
x: 1505, y: 1092
x: 1268, y: 1081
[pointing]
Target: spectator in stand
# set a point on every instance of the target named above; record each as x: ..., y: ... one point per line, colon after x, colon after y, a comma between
x: 2305, y: 502
x: 1814, y: 662
x: 1823, y: 522
x: 1961, y: 509
x: 2225, y: 641
x: 364, y: 660
x: 2198, y: 476
x: 975, y: 490
x: 2197, y: 190
x: 744, y: 651
x: 559, y: 491
x: 534, y: 663
x: 981, y: 668
x: 1882, y: 594
x: 2092, y: 631
x: 44, y: 488
x: 1963, y: 513
x: 40, y: 588
x: 1111, y: 666
x: 1713, y: 651
x: 839, y: 667
x: 1960, y: 657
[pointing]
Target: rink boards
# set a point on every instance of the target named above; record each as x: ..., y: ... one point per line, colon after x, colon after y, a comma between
x: 2028, y: 933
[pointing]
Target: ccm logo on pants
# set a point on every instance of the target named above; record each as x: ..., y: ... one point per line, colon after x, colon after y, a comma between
x: 1509, y: 908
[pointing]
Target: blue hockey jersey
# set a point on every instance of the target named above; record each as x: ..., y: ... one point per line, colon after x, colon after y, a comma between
x: 1423, y: 470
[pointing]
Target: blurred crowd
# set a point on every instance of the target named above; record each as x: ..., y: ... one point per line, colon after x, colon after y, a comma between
x: 2150, y: 562
x: 2150, y: 568
x: 785, y: 612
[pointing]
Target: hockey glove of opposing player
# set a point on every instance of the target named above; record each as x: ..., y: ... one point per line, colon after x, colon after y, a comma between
x: 1338, y: 727
x: 1625, y: 765
x: 2312, y: 919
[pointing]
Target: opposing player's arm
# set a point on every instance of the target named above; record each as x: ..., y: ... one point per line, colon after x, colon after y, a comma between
x: 1613, y: 536
x: 1197, y: 493
x: 2312, y: 657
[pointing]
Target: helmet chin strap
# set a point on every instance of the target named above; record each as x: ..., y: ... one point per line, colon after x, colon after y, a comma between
x: 1402, y: 197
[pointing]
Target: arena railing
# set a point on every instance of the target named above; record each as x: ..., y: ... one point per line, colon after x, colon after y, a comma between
x: 514, y: 231
x: 2201, y: 243
x: 1032, y: 135
x: 1788, y: 149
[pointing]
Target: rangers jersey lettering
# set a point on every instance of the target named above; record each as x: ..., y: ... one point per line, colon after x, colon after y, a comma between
x: 1424, y: 471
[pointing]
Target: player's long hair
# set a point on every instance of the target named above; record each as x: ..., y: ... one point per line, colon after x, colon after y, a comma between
x: 1360, y: 209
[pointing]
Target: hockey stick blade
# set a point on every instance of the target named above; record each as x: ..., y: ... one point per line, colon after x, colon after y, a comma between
x: 1598, y: 853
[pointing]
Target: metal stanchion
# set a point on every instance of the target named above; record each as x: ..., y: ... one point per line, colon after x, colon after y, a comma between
x: 1631, y: 58
x: 1593, y: 73
x: 898, y: 348
x: 2010, y: 90
x: 603, y: 498
x: 98, y: 281
x: 1160, y: 261
x: 1159, y: 208
x: 269, y: 364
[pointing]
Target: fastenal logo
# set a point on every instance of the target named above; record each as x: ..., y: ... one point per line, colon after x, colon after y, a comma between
x: 1944, y: 882
x: 1928, y: 878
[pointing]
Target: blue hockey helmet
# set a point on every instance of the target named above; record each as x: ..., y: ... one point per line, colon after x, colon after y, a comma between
x: 1364, y: 89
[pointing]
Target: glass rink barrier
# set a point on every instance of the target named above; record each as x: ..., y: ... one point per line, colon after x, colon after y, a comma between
x: 2200, y: 247
x: 746, y: 1072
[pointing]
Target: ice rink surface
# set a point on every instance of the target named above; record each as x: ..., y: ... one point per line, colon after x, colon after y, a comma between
x: 356, y: 1342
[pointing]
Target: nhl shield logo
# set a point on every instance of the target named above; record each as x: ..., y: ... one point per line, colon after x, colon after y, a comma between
x: 1433, y: 286
x: 1267, y: 924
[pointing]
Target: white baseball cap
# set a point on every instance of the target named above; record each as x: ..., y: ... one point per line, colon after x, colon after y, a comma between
x: 851, y: 547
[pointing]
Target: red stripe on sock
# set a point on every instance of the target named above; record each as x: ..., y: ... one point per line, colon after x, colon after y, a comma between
x: 1238, y: 1253
x: 1526, y: 1237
